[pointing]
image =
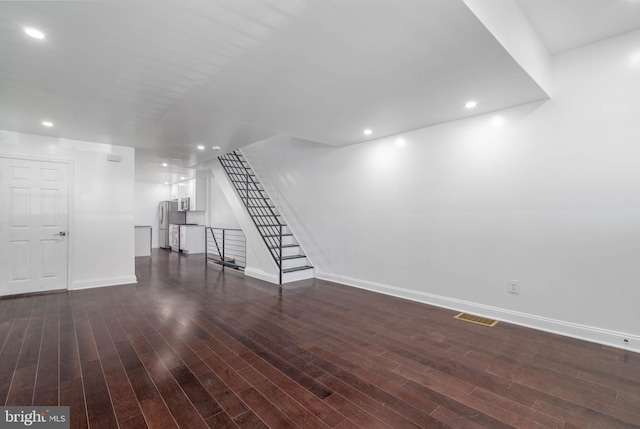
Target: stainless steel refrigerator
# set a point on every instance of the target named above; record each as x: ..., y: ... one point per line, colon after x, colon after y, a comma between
x: 168, y: 214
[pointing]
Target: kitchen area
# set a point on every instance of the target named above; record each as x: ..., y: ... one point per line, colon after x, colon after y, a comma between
x: 178, y: 218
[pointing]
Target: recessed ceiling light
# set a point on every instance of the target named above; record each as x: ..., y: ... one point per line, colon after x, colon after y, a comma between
x: 216, y: 148
x: 47, y: 123
x: 470, y: 104
x: 164, y: 164
x: 166, y: 183
x: 201, y: 147
x: 182, y: 178
x: 367, y: 132
x: 34, y: 32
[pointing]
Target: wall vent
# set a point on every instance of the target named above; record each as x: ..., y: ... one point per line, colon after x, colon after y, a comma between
x: 484, y: 321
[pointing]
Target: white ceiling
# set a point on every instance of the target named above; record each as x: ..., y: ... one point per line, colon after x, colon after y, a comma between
x: 568, y: 24
x: 164, y: 77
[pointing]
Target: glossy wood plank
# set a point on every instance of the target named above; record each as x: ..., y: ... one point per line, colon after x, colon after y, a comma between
x: 221, y: 421
x: 98, y: 401
x: 72, y: 395
x: 192, y: 346
x: 183, y: 411
x: 48, y: 375
x: 281, y: 400
x: 9, y: 357
x: 23, y: 383
x: 265, y: 410
x: 250, y: 420
x: 156, y: 413
x: 197, y: 394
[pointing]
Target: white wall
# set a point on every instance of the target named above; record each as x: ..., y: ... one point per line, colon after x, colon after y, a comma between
x: 546, y: 193
x: 147, y: 197
x: 198, y: 217
x: 101, y: 234
x: 220, y: 214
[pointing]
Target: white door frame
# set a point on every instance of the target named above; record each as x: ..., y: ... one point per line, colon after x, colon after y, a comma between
x: 70, y: 202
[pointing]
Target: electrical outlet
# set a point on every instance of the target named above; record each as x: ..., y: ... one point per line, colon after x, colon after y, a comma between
x: 513, y: 287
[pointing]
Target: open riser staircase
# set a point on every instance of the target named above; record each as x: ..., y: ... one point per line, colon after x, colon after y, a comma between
x: 292, y: 263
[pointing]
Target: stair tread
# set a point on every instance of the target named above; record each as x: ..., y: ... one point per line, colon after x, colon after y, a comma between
x: 284, y: 245
x: 286, y: 234
x: 293, y: 257
x: 290, y: 270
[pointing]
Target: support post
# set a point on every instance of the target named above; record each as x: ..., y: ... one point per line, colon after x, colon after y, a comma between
x: 280, y: 253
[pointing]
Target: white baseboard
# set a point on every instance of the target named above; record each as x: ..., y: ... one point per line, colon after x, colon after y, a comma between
x: 568, y: 329
x: 105, y: 281
x: 262, y: 275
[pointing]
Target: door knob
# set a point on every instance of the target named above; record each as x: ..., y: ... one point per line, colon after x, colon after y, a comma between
x: 61, y: 233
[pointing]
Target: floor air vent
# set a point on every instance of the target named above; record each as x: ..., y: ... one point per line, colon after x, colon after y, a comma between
x: 477, y: 319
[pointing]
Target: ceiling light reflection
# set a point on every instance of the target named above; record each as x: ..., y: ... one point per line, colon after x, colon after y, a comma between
x: 34, y: 32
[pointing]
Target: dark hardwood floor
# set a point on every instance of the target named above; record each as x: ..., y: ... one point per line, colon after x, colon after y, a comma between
x: 192, y: 346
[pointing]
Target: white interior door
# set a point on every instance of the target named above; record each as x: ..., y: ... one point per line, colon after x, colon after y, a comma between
x: 34, y: 219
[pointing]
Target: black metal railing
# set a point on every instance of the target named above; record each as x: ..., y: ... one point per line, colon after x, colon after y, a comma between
x: 227, y: 247
x: 270, y: 224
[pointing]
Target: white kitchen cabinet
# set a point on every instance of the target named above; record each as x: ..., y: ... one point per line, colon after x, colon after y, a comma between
x: 183, y: 190
x: 192, y: 239
x: 194, y: 189
x: 198, y: 194
x: 181, y: 193
x: 189, y: 191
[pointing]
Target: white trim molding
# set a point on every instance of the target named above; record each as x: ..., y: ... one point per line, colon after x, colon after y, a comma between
x: 105, y: 281
x: 560, y: 327
x: 261, y: 275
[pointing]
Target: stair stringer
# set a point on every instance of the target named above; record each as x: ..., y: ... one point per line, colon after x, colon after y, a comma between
x: 260, y: 263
